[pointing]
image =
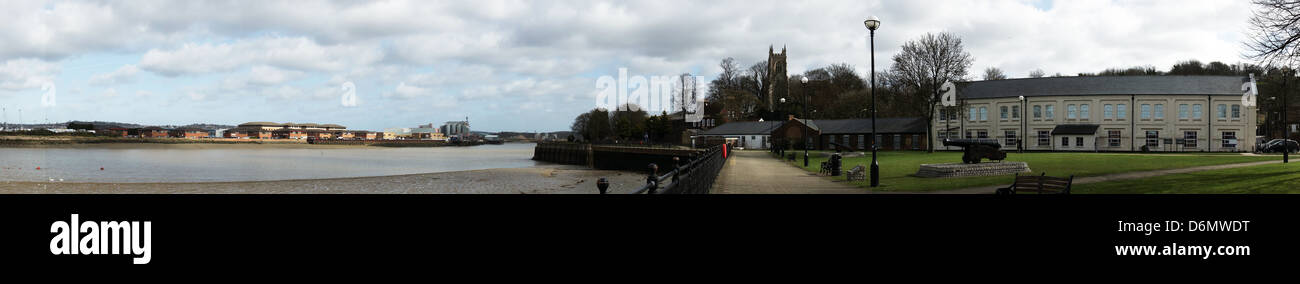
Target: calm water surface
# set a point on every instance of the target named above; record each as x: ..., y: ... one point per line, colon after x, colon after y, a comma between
x: 200, y: 165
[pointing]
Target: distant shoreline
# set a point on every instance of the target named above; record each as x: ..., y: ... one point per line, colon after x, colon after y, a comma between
x: 28, y: 141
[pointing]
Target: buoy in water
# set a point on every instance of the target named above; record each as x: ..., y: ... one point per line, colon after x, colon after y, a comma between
x: 38, y: 168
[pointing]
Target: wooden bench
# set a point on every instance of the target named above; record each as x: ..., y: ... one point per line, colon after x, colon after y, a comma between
x: 1039, y: 183
x: 857, y: 173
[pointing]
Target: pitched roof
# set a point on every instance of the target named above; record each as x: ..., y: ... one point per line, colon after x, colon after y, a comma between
x: 1101, y: 85
x: 744, y: 128
x: 1075, y: 129
x: 863, y: 125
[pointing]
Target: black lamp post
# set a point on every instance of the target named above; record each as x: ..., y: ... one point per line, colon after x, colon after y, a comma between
x: 806, y: 118
x: 872, y: 24
x: 1286, y: 128
x: 1024, y: 123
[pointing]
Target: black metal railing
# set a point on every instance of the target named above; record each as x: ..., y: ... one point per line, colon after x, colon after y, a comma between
x: 695, y: 176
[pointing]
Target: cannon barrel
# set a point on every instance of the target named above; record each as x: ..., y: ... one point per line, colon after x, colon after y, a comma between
x: 971, y: 142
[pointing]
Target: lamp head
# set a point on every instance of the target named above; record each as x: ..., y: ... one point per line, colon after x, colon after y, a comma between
x: 872, y: 23
x: 803, y: 80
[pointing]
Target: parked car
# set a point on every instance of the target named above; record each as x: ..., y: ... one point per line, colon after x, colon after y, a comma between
x: 1280, y: 145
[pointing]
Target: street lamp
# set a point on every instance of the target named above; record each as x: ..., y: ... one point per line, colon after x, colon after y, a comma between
x: 872, y: 24
x: 1024, y: 123
x: 806, y: 140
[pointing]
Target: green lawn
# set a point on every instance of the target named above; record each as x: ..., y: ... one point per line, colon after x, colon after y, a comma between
x: 897, y: 167
x: 1272, y: 178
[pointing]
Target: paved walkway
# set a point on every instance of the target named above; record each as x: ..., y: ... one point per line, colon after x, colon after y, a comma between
x: 757, y: 172
x: 1112, y: 177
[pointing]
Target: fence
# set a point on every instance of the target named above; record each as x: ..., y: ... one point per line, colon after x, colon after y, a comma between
x: 694, y: 177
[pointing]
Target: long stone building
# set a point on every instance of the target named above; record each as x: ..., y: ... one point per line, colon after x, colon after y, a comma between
x: 1103, y: 113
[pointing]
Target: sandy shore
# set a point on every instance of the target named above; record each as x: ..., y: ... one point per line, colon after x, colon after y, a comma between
x: 549, y: 179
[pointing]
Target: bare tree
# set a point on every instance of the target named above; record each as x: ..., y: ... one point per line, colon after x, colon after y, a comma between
x: 993, y: 73
x: 1275, y: 32
x: 686, y: 93
x: 1037, y: 73
x: 925, y: 64
x: 757, y: 85
x: 729, y: 78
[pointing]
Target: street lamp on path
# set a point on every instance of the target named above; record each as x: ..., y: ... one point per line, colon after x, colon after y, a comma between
x: 872, y: 24
x: 806, y: 117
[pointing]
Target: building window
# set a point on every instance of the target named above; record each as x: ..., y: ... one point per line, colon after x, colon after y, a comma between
x: 982, y: 134
x: 1010, y: 137
x: 1122, y: 110
x: 1196, y: 111
x: 1051, y: 112
x: 1112, y: 138
x: 1223, y: 111
x: 1182, y: 111
x: 1004, y: 112
x: 1153, y: 138
x: 1078, y: 142
x: 916, y: 142
x: 1107, y: 112
x: 898, y: 141
x: 1236, y: 111
x: 1229, y: 139
x: 846, y: 140
x: 1189, y: 139
x: 862, y: 141
x: 1038, y: 111
x: 876, y: 141
x: 1083, y: 111
x: 1146, y: 111
x: 1070, y: 112
x: 1065, y: 141
x: 968, y: 134
x: 1160, y: 111
x: 1044, y: 138
x: 1015, y: 111
x: 972, y: 113
x: 984, y: 114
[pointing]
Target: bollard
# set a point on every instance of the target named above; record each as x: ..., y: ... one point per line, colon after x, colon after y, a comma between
x: 677, y: 169
x: 653, y: 179
x: 602, y: 184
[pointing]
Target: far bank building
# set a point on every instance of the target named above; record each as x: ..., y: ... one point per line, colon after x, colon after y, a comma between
x: 1103, y: 113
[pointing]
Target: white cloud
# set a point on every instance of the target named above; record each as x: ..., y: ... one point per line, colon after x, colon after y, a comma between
x: 297, y: 53
x: 124, y: 74
x: 26, y: 73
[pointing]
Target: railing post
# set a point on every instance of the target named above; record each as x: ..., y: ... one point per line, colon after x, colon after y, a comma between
x: 652, y: 180
x: 602, y: 184
x: 677, y: 169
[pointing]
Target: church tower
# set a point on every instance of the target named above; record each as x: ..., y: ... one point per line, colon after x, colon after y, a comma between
x: 777, y: 85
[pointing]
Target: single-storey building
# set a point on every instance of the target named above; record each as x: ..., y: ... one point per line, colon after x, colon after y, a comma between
x: 897, y: 133
x: 188, y: 132
x: 744, y: 134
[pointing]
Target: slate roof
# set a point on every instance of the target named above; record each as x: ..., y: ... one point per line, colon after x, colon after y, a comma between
x: 1075, y: 129
x: 1101, y: 85
x: 744, y: 128
x: 863, y: 125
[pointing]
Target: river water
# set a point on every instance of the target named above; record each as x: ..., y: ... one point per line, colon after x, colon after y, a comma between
x: 250, y: 164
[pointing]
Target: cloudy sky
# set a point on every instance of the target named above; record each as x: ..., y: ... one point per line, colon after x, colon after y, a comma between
x: 520, y: 65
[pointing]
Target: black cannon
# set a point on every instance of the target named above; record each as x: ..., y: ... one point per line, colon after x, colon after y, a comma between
x: 976, y: 149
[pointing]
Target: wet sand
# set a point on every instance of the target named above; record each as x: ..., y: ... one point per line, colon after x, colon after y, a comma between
x: 550, y: 179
